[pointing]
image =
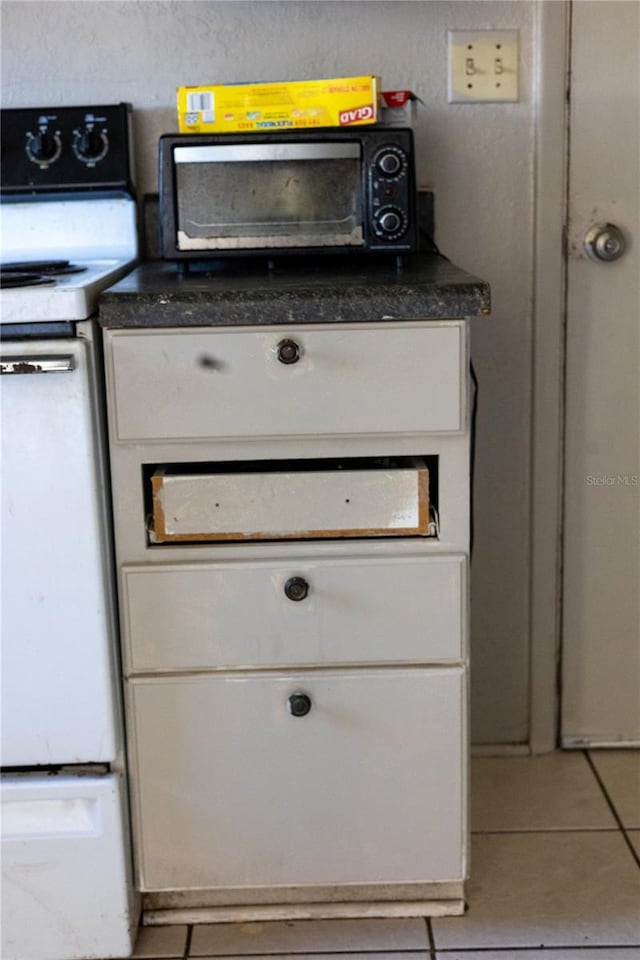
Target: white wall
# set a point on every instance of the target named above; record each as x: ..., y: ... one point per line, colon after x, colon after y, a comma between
x: 479, y: 160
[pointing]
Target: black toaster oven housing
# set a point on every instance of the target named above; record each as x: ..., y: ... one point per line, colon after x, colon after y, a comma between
x: 387, y: 190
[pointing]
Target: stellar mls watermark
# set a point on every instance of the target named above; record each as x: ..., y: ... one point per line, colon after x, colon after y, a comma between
x: 614, y: 480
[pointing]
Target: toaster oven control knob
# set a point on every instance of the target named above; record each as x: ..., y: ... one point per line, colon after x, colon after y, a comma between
x: 296, y: 588
x: 390, y: 223
x: 299, y: 704
x: 391, y: 162
x: 43, y: 147
x: 90, y: 145
x: 288, y: 351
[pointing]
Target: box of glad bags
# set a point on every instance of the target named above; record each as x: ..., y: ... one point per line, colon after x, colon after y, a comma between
x: 238, y: 107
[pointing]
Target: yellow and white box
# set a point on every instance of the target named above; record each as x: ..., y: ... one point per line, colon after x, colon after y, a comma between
x: 241, y: 107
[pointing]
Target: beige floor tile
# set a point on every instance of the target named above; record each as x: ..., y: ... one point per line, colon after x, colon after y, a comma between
x: 155, y: 943
x: 634, y: 836
x: 620, y: 773
x: 547, y: 889
x: 308, y: 936
x: 557, y: 791
x: 597, y: 953
x: 395, y: 955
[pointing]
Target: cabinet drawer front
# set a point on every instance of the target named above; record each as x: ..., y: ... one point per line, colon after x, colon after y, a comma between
x: 356, y: 609
x: 300, y: 504
x: 230, y: 383
x: 368, y: 784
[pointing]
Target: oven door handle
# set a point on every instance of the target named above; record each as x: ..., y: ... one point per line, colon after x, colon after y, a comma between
x: 37, y: 364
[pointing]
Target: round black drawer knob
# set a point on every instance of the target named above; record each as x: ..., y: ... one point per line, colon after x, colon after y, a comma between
x: 296, y: 588
x: 288, y: 351
x: 299, y: 704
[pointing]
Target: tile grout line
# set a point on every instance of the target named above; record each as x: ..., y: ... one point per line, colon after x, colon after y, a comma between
x: 187, y: 945
x: 373, y: 951
x: 612, y: 807
x: 512, y: 952
x: 320, y: 952
x: 430, y: 938
x: 529, y: 830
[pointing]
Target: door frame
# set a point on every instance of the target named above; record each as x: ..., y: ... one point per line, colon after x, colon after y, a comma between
x: 551, y: 99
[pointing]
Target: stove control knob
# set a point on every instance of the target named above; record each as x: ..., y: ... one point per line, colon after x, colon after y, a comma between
x: 43, y: 147
x: 90, y: 145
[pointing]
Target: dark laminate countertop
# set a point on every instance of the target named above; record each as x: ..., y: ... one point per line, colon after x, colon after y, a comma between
x: 325, y: 291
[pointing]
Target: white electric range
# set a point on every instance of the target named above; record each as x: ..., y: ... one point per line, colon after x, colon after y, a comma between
x: 68, y: 220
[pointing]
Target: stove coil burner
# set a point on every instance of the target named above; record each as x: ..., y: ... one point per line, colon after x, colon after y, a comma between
x: 12, y: 278
x: 31, y: 273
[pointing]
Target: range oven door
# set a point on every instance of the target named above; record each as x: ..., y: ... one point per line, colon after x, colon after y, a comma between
x: 58, y: 688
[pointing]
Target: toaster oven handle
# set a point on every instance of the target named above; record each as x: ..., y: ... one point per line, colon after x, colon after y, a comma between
x: 37, y: 364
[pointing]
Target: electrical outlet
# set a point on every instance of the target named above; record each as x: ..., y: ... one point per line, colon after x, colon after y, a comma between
x: 483, y: 66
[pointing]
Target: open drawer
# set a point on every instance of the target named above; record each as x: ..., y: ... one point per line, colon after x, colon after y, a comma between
x: 270, y: 500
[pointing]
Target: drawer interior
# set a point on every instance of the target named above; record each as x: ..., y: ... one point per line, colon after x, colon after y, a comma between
x: 208, y: 502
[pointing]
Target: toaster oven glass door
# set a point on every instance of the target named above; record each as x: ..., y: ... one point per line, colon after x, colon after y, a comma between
x: 270, y: 195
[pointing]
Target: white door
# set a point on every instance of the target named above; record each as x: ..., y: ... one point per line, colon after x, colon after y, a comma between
x: 601, y: 590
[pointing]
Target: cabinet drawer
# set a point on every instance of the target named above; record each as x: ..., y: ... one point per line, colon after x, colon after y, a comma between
x: 348, y: 380
x: 368, y: 783
x: 354, y: 609
x: 294, y: 502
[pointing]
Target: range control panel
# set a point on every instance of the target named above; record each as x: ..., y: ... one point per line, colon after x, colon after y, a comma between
x: 48, y: 149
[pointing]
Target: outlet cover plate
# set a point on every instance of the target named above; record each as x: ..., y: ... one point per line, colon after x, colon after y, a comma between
x: 483, y: 66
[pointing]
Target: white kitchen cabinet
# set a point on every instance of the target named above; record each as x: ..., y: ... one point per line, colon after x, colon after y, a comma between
x: 296, y: 688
